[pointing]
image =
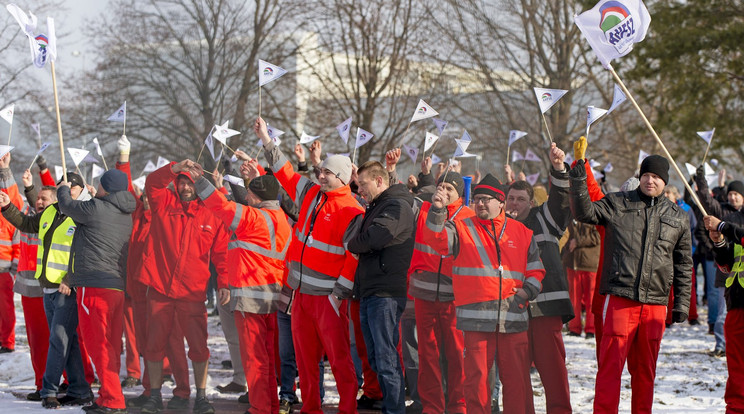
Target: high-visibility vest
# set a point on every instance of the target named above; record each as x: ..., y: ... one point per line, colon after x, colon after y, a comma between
x: 737, y: 268
x: 56, y: 258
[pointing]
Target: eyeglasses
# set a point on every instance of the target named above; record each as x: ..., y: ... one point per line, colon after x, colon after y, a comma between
x: 482, y: 200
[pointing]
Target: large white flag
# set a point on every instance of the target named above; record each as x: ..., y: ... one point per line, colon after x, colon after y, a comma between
x: 120, y: 115
x: 592, y: 115
x: 531, y: 156
x: 515, y: 135
x: 343, y: 130
x: 429, y: 141
x: 517, y: 156
x: 423, y: 111
x: 707, y: 136
x: 98, y: 146
x: 618, y: 97
x: 612, y: 27
x: 78, y: 155
x: 268, y: 72
x: 362, y: 137
x: 7, y: 113
x: 43, y: 48
x: 548, y: 97
x: 97, y: 171
x: 412, y: 152
x: 441, y: 124
x: 222, y: 133
x: 52, y: 39
x: 150, y: 167
x: 306, y: 139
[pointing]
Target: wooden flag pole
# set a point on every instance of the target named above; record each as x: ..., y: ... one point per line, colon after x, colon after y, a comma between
x: 550, y: 137
x: 200, y: 152
x: 10, y: 132
x: 33, y: 161
x: 259, y: 101
x: 706, y: 151
x: 508, y: 149
x: 59, y: 123
x: 104, y: 160
x: 658, y: 140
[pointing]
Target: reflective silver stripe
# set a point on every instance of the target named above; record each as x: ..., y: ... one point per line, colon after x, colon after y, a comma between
x: 321, y: 283
x: 5, y: 263
x: 8, y: 183
x: 536, y: 265
x: 558, y: 182
x: 56, y: 266
x: 6, y: 243
x: 486, y: 271
x: 254, y: 294
x: 551, y: 296
x: 270, y: 226
x: 279, y: 162
x: 551, y: 221
x: 309, y: 213
x: 547, y: 238
x: 443, y: 288
x: 424, y: 248
x: 61, y: 247
x: 207, y: 192
x: 328, y: 248
x: 240, y: 244
x: 534, y: 282
x: 237, y: 217
x: 303, y: 184
x: 436, y: 228
x: 28, y: 282
x: 348, y: 284
x: 490, y: 315
x: 470, y: 224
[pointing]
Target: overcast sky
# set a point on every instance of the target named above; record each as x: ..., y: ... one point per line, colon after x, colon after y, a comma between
x: 77, y: 11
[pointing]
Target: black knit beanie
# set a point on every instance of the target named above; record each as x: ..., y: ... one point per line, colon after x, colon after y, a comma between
x: 656, y: 164
x: 737, y: 186
x: 455, y: 179
x: 490, y: 185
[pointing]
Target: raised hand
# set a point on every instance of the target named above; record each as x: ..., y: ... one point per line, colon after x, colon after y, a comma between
x: 557, y: 157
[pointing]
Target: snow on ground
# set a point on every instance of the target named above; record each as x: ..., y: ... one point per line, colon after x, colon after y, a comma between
x: 688, y: 380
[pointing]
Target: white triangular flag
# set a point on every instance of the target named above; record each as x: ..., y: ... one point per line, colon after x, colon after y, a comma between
x: 423, y: 111
x: 150, y: 167
x: 98, y: 146
x: 97, y: 171
x: 59, y: 172
x: 4, y: 149
x: 642, y: 156
x: 78, y: 155
x: 612, y: 27
x: 268, y: 72
x: 162, y: 161
x: 343, y: 130
x: 594, y: 164
x: 709, y: 170
x: 516, y: 156
x: 707, y: 136
x: 569, y: 158
x: 362, y: 137
x: 7, y: 113
x: 597, y: 175
x: 435, y: 159
x: 466, y: 137
x: 429, y: 141
x: 441, y: 124
x: 306, y: 139
x: 222, y: 133
x: 234, y: 157
x: 43, y: 147
x: 532, y: 178
x: 531, y: 156
x: 463, y: 145
x: 608, y: 168
x: 209, y: 143
x: 412, y: 152
x: 515, y: 135
x: 275, y: 139
x: 592, y: 115
x: 37, y: 129
x: 140, y: 182
x: 548, y: 97
x: 234, y: 180
x: 460, y: 153
x: 90, y: 159
x: 690, y: 169
x: 120, y: 115
x: 618, y: 97
x: 273, y: 132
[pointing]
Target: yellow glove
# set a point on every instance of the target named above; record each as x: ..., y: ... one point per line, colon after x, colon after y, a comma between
x: 580, y: 148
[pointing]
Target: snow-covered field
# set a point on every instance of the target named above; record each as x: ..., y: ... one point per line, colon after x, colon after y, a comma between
x: 688, y: 380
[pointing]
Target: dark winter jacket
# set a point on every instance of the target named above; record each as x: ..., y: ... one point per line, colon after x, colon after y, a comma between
x: 104, y: 225
x: 384, y: 244
x: 548, y: 222
x: 647, y: 244
x: 724, y: 255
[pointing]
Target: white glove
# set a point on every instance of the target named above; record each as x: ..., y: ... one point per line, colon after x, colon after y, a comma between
x: 124, y: 145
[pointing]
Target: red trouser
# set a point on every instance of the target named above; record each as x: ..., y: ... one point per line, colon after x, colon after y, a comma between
x: 7, y: 312
x: 100, y: 314
x: 733, y: 328
x: 317, y: 330
x: 162, y: 312
x: 37, y: 332
x: 256, y: 334
x: 581, y: 290
x: 512, y: 353
x: 370, y: 386
x: 90, y: 375
x: 549, y: 355
x: 437, y: 332
x: 175, y: 361
x: 130, y: 335
x: 632, y: 331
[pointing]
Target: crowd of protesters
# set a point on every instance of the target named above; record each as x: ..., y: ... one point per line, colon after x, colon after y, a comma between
x: 451, y: 288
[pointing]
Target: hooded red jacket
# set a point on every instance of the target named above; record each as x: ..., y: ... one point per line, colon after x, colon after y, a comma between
x: 184, y: 237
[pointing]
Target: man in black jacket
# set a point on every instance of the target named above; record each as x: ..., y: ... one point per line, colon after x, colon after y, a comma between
x: 104, y: 225
x: 384, y: 244
x: 647, y: 250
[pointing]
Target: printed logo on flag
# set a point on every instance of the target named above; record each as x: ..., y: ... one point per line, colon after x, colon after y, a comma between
x: 617, y: 24
x: 422, y: 110
x: 40, y: 56
x: 268, y: 72
x: 547, y: 97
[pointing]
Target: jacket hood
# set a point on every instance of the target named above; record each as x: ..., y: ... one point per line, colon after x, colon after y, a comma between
x: 398, y: 191
x: 123, y: 200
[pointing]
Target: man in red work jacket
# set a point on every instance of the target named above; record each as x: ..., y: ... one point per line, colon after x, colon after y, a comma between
x: 254, y: 282
x: 496, y: 271
x: 185, y: 236
x: 9, y: 251
x: 320, y: 270
x: 431, y: 285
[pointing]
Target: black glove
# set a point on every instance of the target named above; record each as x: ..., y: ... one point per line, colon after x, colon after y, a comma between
x: 41, y: 162
x: 521, y: 302
x: 578, y: 172
x: 678, y: 317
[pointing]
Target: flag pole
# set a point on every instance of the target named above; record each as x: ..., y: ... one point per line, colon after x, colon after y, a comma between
x: 706, y: 151
x: 508, y: 149
x: 125, y: 125
x: 33, y: 161
x: 658, y: 140
x: 259, y: 101
x: 59, y: 123
x: 547, y: 128
x: 10, y: 132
